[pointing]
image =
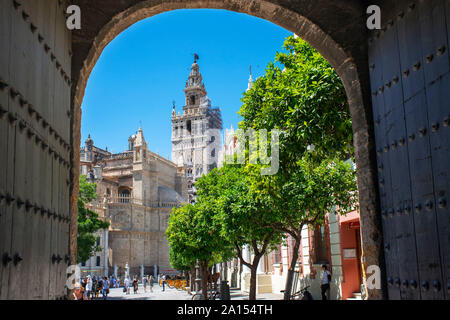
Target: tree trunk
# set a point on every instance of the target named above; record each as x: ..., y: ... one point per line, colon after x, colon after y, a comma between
x: 290, y: 275
x: 204, y: 272
x: 252, y: 295
x: 253, y: 275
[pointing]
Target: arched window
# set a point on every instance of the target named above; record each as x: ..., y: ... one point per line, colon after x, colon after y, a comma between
x: 124, y: 195
x: 192, y: 100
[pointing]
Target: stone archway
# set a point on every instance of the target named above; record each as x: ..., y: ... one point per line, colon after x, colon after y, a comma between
x: 325, y: 24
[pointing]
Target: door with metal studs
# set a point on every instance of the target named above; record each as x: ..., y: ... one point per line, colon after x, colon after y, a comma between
x: 410, y: 86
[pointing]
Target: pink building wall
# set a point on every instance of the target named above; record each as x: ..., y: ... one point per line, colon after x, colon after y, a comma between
x: 349, y: 226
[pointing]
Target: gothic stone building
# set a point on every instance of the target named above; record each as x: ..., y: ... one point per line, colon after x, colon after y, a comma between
x: 197, y: 133
x: 137, y: 190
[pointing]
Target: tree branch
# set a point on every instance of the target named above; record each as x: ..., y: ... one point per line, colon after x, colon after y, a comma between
x: 239, y: 251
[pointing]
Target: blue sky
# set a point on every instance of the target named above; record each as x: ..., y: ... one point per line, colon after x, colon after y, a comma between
x: 143, y: 70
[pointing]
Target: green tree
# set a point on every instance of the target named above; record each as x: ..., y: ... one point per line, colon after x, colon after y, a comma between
x: 308, y: 195
x: 306, y: 101
x: 88, y: 222
x: 245, y: 212
x: 194, y: 235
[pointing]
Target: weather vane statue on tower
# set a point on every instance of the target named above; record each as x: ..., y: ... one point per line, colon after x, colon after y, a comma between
x: 196, y: 57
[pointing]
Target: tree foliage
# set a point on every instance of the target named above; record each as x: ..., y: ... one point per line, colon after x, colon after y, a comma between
x: 244, y: 211
x: 194, y: 235
x: 306, y: 101
x: 88, y: 222
x: 237, y: 206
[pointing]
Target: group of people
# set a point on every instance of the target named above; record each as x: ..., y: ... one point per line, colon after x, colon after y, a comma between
x: 148, y: 281
x: 91, y: 288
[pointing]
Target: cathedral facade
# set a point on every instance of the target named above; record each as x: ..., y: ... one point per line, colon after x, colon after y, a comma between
x: 136, y: 191
x: 197, y: 132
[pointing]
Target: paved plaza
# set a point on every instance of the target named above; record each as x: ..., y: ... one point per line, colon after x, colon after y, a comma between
x: 173, y: 294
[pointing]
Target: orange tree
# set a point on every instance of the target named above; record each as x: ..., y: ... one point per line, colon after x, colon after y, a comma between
x: 305, y: 100
x: 244, y: 213
x: 194, y: 235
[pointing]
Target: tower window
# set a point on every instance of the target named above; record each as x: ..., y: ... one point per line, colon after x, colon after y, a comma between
x: 192, y: 100
x: 189, y: 126
x: 98, y: 261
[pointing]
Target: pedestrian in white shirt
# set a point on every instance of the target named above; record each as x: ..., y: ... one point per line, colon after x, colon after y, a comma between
x: 326, y: 279
x: 88, y: 287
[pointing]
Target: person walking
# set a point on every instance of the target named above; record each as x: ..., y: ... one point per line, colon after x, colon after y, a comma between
x: 88, y: 287
x: 135, y: 285
x: 105, y: 288
x: 326, y: 279
x: 144, y: 281
x: 152, y: 282
x: 126, y: 283
x: 99, y: 286
x: 163, y: 280
x: 94, y: 287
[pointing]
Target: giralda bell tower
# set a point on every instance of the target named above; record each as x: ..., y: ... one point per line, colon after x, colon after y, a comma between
x: 196, y: 133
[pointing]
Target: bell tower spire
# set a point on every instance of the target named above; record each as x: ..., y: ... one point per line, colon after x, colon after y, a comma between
x: 195, y: 88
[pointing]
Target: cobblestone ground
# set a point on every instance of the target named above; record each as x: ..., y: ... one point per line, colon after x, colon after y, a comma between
x: 173, y: 294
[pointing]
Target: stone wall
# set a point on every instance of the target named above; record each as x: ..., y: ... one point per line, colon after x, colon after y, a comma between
x: 137, y: 235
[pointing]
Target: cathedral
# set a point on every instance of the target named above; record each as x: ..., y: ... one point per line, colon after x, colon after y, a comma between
x: 137, y: 189
x: 197, y: 132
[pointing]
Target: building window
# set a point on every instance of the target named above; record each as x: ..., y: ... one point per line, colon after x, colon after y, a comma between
x: 277, y: 256
x: 192, y: 100
x: 124, y: 196
x: 320, y: 246
x: 98, y: 241
x: 83, y: 264
x: 98, y: 261
x: 189, y: 126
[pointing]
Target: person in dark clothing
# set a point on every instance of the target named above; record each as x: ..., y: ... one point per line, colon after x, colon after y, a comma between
x: 326, y: 278
x: 135, y: 285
